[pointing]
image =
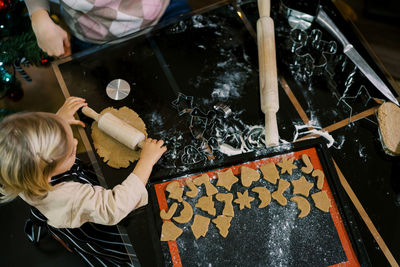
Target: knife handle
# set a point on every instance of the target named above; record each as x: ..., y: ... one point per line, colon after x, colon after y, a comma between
x: 323, y: 19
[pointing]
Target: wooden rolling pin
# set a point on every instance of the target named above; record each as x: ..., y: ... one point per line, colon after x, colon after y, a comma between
x: 268, y: 73
x: 117, y: 128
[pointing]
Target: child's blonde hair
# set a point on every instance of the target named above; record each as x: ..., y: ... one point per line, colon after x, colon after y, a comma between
x: 31, y: 146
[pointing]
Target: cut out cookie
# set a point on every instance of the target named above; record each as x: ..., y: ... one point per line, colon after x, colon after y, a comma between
x: 169, y: 231
x: 193, y: 190
x: 205, y: 179
x: 320, y: 178
x: 303, y: 205
x: 278, y: 194
x: 264, y: 195
x: 200, y: 226
x: 302, y: 186
x: 270, y: 172
x: 244, y: 200
x: 322, y: 201
x: 227, y: 199
x: 186, y: 213
x: 287, y: 165
x: 175, y: 191
x: 226, y: 179
x: 248, y: 176
x: 168, y: 215
x: 206, y: 204
x: 222, y: 223
x: 309, y: 167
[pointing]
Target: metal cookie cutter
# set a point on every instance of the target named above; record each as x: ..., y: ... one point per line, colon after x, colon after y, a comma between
x: 312, y: 55
x: 305, y: 10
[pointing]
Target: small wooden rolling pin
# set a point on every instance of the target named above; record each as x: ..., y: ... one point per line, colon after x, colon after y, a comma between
x: 117, y: 128
x: 268, y: 73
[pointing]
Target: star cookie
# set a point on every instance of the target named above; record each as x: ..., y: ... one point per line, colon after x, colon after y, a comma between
x: 244, y: 200
x: 287, y: 165
x: 302, y: 186
x: 226, y: 179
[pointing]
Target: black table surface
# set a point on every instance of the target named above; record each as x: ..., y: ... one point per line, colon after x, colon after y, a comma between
x: 209, y: 58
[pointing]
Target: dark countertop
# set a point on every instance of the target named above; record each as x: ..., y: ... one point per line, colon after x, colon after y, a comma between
x: 212, y: 57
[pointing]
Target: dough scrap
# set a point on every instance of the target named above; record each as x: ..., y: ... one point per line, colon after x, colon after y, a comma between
x: 322, y: 201
x: 303, y: 205
x: 175, y: 191
x: 302, y: 186
x: 205, y: 179
x: 193, y: 190
x: 115, y: 154
x: 206, y: 204
x: 320, y: 178
x: 169, y: 231
x: 309, y: 167
x: 227, y: 199
x: 248, y: 176
x: 200, y: 226
x: 287, y: 165
x: 244, y: 200
x: 223, y: 224
x: 171, y: 211
x: 226, y: 179
x: 186, y: 213
x: 278, y: 194
x: 264, y: 195
x: 270, y: 172
x: 389, y: 127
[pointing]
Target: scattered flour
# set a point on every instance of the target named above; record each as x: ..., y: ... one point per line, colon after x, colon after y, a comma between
x: 315, y: 131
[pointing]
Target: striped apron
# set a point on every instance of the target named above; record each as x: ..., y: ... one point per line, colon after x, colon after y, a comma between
x: 97, y: 245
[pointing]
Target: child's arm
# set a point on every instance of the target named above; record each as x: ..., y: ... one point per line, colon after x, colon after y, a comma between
x: 70, y: 107
x: 151, y: 153
x: 72, y: 204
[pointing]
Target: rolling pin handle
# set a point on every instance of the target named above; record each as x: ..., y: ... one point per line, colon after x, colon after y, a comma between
x: 141, y: 144
x: 271, y: 129
x: 91, y: 113
x: 264, y: 8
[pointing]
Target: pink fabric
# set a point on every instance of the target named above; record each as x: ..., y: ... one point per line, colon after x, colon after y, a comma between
x: 92, y: 29
x: 151, y: 9
x: 113, y: 4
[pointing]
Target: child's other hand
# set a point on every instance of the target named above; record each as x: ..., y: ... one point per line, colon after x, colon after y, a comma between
x: 152, y: 151
x: 70, y: 107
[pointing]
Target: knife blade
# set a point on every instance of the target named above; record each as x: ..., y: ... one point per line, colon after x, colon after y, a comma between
x: 323, y: 19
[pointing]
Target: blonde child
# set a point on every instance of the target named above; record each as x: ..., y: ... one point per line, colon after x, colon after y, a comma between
x: 38, y: 163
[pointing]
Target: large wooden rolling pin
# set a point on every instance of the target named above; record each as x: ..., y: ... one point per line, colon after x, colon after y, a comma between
x: 268, y: 73
x: 117, y: 128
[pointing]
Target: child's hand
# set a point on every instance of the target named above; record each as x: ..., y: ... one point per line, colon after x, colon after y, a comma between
x: 67, y: 111
x: 152, y: 151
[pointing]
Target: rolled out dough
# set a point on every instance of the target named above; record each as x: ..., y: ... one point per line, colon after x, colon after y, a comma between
x: 115, y: 154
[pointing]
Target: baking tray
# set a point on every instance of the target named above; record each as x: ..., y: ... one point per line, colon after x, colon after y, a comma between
x: 273, y: 235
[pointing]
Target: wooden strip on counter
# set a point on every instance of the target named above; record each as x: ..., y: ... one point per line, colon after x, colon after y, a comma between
x: 294, y: 100
x: 365, y: 217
